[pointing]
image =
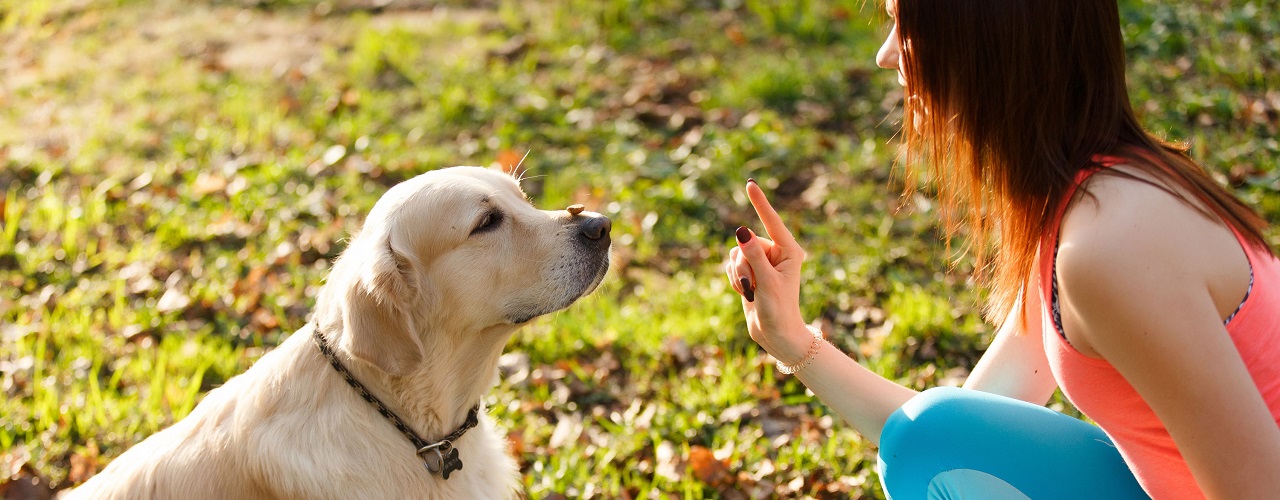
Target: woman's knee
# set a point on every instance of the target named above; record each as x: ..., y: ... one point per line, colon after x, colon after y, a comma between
x: 930, y: 417
x: 1033, y: 448
x: 918, y: 439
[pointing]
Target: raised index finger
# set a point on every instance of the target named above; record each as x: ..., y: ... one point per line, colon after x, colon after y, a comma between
x: 773, y: 225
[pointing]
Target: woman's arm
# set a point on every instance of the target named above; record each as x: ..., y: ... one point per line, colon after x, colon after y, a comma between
x: 1015, y: 365
x: 1137, y: 273
x: 771, y: 301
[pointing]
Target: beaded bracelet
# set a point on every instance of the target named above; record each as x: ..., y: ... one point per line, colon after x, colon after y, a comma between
x: 813, y: 349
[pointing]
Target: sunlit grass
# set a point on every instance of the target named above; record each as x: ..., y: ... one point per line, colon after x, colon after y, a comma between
x: 167, y: 218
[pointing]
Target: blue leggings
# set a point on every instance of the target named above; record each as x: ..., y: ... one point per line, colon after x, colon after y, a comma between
x: 951, y: 443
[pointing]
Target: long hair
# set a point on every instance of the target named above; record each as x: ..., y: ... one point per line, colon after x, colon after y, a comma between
x: 1006, y: 101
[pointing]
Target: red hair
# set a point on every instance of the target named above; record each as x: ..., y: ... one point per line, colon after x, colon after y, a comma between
x: 1006, y: 101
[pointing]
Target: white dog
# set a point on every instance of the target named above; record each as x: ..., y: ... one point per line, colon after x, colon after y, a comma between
x: 416, y: 312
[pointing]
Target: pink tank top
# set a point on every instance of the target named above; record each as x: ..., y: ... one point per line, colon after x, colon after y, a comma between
x: 1098, y: 390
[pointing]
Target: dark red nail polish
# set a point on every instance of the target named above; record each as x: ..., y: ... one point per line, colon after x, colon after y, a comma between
x: 748, y: 292
x: 743, y: 234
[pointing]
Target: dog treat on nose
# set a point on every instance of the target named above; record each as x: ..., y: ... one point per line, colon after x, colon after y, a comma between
x: 575, y: 209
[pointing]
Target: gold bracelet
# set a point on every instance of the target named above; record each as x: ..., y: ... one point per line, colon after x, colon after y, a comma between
x: 813, y: 350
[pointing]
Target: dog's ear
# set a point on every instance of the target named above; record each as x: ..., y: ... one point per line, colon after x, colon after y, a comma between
x: 380, y: 330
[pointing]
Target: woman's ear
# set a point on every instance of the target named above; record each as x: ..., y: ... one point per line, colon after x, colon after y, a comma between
x: 379, y: 329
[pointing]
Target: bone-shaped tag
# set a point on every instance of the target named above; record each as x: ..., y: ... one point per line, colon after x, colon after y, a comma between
x: 451, y: 463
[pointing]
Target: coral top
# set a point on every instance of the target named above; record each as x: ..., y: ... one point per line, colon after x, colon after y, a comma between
x: 1098, y: 390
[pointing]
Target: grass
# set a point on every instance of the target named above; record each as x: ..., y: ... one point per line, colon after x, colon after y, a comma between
x: 176, y: 179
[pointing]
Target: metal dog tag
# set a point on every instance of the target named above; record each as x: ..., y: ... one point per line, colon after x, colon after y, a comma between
x: 451, y: 463
x: 440, y: 458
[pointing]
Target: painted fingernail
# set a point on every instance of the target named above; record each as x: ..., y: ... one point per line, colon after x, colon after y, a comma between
x: 751, y: 180
x: 748, y: 292
x: 743, y: 234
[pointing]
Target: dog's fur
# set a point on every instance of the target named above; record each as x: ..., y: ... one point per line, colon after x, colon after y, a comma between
x: 418, y: 308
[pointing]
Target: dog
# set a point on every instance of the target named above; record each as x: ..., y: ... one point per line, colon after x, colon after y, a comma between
x: 415, y: 312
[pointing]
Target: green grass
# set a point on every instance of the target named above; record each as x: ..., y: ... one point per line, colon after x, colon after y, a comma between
x: 171, y: 203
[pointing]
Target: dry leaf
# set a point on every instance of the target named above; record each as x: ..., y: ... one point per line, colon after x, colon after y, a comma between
x: 84, y: 465
x: 735, y: 35
x: 265, y: 320
x: 208, y: 183
x: 516, y: 444
x: 251, y: 287
x: 707, y: 468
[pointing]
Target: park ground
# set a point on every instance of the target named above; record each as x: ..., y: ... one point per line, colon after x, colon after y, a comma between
x: 176, y: 177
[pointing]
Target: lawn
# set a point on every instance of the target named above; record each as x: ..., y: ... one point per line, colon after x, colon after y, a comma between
x: 176, y: 178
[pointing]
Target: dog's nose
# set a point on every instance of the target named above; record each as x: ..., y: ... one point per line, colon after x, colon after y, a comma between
x: 596, y: 228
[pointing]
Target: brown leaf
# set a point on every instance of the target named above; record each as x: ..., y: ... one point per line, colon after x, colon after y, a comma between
x: 264, y: 320
x: 735, y: 35
x: 516, y: 444
x: 208, y: 183
x: 351, y: 98
x: 251, y: 287
x: 84, y: 465
x: 707, y: 468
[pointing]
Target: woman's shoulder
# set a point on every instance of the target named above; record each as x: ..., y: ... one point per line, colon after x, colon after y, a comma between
x: 1125, y: 214
x: 1130, y: 234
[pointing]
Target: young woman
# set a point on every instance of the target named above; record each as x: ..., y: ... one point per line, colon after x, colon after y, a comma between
x: 1124, y: 275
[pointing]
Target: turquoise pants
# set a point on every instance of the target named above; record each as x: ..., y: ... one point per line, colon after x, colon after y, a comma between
x: 952, y: 443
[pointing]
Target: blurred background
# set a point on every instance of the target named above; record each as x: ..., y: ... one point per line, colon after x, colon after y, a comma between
x: 176, y: 177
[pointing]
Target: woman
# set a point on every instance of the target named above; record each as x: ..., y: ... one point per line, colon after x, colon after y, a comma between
x: 1122, y: 272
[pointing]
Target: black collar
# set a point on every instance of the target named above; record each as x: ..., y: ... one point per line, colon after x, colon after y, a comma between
x: 440, y: 457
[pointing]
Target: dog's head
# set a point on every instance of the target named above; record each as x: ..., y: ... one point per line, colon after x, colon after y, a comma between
x: 457, y: 252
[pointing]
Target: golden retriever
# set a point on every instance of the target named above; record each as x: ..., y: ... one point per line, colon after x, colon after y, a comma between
x: 417, y: 309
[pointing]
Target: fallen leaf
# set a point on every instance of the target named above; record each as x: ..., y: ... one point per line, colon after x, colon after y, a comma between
x: 265, y: 320
x: 516, y: 444
x: 251, y: 288
x: 208, y: 183
x: 707, y: 468
x: 84, y: 464
x: 735, y: 35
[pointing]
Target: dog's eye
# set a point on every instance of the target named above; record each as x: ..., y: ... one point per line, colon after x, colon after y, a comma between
x: 490, y: 222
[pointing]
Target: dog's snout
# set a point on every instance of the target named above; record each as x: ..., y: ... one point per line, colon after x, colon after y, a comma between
x: 596, y: 228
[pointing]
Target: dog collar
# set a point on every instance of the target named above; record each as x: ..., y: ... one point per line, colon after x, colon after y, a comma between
x: 440, y: 457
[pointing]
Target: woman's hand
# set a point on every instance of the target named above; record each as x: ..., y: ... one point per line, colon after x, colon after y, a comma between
x: 766, y: 272
x: 771, y: 300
